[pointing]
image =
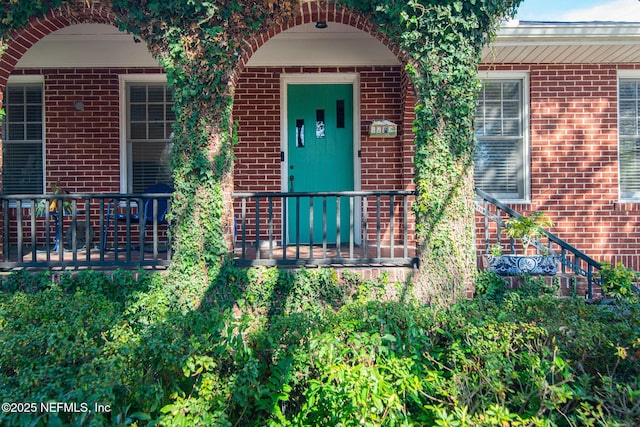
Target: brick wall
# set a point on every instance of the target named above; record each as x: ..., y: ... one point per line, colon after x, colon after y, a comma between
x: 574, y: 159
x: 82, y: 149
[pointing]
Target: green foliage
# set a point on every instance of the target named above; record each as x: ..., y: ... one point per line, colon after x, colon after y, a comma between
x: 267, y: 347
x: 490, y: 285
x: 15, y: 14
x: 528, y: 228
x: 619, y: 282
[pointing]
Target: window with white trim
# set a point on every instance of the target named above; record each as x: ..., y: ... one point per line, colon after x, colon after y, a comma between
x: 629, y: 137
x: 23, y: 139
x: 150, y: 119
x: 501, y: 165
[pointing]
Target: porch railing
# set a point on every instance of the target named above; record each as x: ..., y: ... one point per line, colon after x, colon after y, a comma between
x: 571, y: 259
x: 69, y: 231
x: 309, y: 228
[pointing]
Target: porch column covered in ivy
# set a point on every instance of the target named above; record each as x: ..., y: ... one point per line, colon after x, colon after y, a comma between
x: 198, y: 44
x: 443, y: 43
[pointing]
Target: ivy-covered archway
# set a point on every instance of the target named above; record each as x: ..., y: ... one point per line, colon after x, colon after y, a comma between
x: 200, y: 44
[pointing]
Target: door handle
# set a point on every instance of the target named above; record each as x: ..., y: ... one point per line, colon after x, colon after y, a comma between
x: 291, y: 178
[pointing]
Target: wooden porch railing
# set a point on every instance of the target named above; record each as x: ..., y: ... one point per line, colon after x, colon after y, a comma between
x: 379, y: 231
x: 84, y: 231
x: 281, y: 228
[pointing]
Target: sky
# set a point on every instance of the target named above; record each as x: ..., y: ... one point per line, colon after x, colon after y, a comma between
x: 579, y: 10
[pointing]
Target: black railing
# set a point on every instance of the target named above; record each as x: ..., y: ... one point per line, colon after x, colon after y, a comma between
x: 324, y: 228
x: 571, y: 259
x: 69, y: 231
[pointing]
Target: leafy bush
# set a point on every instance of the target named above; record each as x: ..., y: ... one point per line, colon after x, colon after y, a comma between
x: 618, y: 282
x: 268, y: 347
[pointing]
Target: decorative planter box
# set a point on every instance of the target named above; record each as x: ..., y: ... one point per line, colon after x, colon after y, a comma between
x: 512, y: 265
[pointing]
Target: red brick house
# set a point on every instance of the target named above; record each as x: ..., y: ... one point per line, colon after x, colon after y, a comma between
x: 324, y: 106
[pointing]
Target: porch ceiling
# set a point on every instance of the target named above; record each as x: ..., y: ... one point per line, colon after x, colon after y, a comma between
x: 336, y: 45
x: 87, y: 45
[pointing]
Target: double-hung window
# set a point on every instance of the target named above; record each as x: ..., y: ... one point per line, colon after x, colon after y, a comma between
x: 149, y: 124
x: 23, y: 137
x: 629, y: 135
x: 501, y: 161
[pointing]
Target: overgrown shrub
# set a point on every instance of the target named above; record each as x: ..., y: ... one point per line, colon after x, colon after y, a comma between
x: 618, y: 282
x: 267, y: 347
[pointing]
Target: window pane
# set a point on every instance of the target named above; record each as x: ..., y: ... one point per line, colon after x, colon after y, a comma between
x: 34, y: 113
x: 138, y: 131
x: 15, y: 131
x: 498, y: 165
x: 150, y: 165
x: 500, y: 168
x: 156, y: 131
x: 15, y: 113
x: 628, y: 126
x: 34, y: 95
x: 627, y: 89
x: 630, y: 168
x: 138, y: 94
x: 156, y: 112
x: 151, y: 122
x: 511, y: 127
x: 34, y: 131
x: 156, y: 93
x: 15, y: 96
x: 138, y: 112
x: 22, y: 161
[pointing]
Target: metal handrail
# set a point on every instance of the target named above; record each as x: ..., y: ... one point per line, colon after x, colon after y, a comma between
x: 579, y: 257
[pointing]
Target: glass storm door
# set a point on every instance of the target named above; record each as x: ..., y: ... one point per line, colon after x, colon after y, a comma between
x: 320, y: 158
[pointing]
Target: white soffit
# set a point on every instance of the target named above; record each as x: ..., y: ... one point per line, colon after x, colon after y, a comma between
x: 87, y: 45
x: 336, y: 45
x: 565, y: 42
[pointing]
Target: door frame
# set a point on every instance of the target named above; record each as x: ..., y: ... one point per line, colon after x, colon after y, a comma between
x: 320, y: 78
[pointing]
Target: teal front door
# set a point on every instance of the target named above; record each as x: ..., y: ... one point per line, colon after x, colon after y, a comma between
x: 320, y: 158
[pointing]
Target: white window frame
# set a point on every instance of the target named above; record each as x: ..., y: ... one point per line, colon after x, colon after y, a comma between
x: 524, y: 78
x: 27, y: 80
x: 622, y: 75
x: 125, y: 80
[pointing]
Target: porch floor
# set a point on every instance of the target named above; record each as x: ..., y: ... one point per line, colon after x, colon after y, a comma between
x: 96, y: 258
x: 304, y: 254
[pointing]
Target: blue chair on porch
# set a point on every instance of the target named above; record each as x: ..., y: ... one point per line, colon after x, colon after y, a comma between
x: 144, y: 216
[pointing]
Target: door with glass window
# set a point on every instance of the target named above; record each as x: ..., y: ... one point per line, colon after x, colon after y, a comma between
x: 320, y: 159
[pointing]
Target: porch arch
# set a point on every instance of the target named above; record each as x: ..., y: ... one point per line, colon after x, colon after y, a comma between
x: 270, y: 144
x: 311, y: 12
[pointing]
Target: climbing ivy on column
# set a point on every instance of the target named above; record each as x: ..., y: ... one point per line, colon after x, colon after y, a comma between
x: 198, y: 44
x: 443, y: 42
